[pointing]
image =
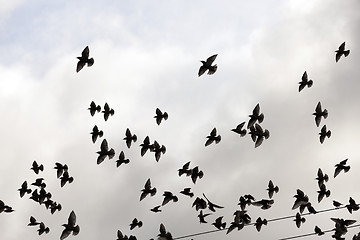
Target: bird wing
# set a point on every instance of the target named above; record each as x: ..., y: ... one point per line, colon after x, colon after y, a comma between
x: 304, y: 77
x: 85, y: 52
x: 104, y: 146
x: 202, y: 69
x: 158, y: 112
x: 80, y: 65
x: 72, y: 219
x: 342, y: 47
x: 65, y: 233
x: 211, y: 59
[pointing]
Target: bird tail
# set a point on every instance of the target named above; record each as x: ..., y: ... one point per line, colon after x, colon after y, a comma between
x: 90, y: 62
x: 310, y: 83
x: 328, y: 134
x: 346, y: 53
x: 165, y: 115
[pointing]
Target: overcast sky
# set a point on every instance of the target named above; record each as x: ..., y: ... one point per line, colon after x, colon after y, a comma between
x: 147, y: 55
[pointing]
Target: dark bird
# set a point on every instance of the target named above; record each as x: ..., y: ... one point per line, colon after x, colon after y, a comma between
x: 336, y: 204
x: 168, y: 196
x: 96, y: 133
x: 321, y: 177
x: 66, y: 178
x: 185, y: 169
x: 305, y: 82
x: 212, y: 137
x: 107, y: 111
x: 299, y: 220
x: 164, y: 235
x: 324, y: 133
x: 120, y: 236
x: 129, y: 138
x: 341, y: 226
x: 94, y: 108
x: 104, y: 151
x: 43, y: 195
x: 60, y: 169
x: 147, y: 190
x: 341, y: 51
x: 158, y: 150
x: 156, y: 209
x: 243, y: 202
x: 255, y: 116
x: 319, y: 113
x: 145, y: 145
x: 55, y: 207
x: 234, y: 225
x: 301, y: 199
x: 259, y: 222
x: 318, y: 231
x: 39, y: 183
x: 258, y: 134
x: 323, y: 192
x: 35, y: 196
x: 187, y: 192
x: 135, y: 223
x: 219, y: 224
x: 207, y: 65
x: 122, y: 159
x: 24, y: 189
x: 160, y: 116
x: 70, y: 227
x: 37, y: 168
x: 352, y: 206
x: 264, y: 203
x: 242, y: 217
x: 239, y: 129
x: 202, y: 216
x: 271, y: 189
x: 199, y: 203
x: 309, y: 207
x: 341, y: 166
x: 211, y: 205
x: 84, y: 59
x: 196, y: 173
x: 33, y: 221
x: 356, y: 236
x: 42, y: 229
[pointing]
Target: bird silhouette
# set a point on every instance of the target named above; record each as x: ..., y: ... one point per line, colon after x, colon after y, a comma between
x: 263, y: 203
x: 94, y: 108
x: 37, y: 168
x: 24, y: 189
x: 324, y: 133
x: 255, y: 116
x: 352, y: 206
x: 207, y: 65
x: 319, y: 113
x: 243, y: 202
x: 66, y: 178
x: 259, y: 223
x: 55, y: 207
x: 164, y: 235
x: 239, y: 129
x: 299, y: 220
x: 168, y: 196
x: 219, y: 224
x: 323, y: 192
x: 202, y: 216
x: 212, y: 137
x: 196, y: 173
x: 42, y: 229
x: 135, y: 223
x: 318, y: 231
x: 341, y: 226
x: 33, y: 222
x: 39, y: 183
x: 160, y: 116
x: 129, y: 138
x: 321, y: 177
x: 258, y: 134
x: 271, y: 189
x: 107, y: 111
x: 96, y: 133
x: 156, y: 209
x: 336, y: 204
x: 120, y: 236
x: 185, y: 170
x: 147, y: 190
x: 158, y: 150
x: 70, y: 227
x: 199, y: 203
x: 122, y: 159
x: 301, y: 199
x: 145, y: 145
x: 60, y: 169
x: 84, y: 59
x: 187, y: 192
x: 341, y: 51
x: 242, y: 216
x: 105, y: 151
x: 305, y: 82
x: 211, y: 205
x: 341, y: 166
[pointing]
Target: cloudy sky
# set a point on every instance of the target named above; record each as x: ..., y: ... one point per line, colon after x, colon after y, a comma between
x: 147, y: 56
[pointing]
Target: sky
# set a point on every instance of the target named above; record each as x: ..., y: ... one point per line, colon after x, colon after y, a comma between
x: 147, y: 56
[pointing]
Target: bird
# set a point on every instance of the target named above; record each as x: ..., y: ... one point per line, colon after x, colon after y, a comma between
x: 168, y: 196
x: 147, y: 190
x: 33, y: 221
x: 207, y: 65
x: 233, y: 225
x: 219, y: 224
x: 70, y: 226
x: 271, y: 189
x: 158, y: 150
x: 258, y: 134
x: 185, y: 170
x: 60, y: 169
x: 94, y: 108
x: 43, y: 195
x: 319, y: 113
x: 323, y: 192
x: 122, y: 159
x: 107, y: 111
x: 202, y: 216
x: 164, y: 235
x: 66, y: 178
x: 120, y: 236
x: 145, y: 145
x: 255, y: 116
x: 42, y: 229
x: 341, y: 51
x: 187, y: 192
x: 239, y: 129
x: 96, y: 133
x: 336, y: 204
x: 135, y: 223
x: 352, y: 206
x: 129, y: 138
x: 160, y: 116
x: 263, y: 203
x: 341, y: 226
x: 196, y: 173
x: 24, y: 189
x: 39, y: 183
x: 259, y: 222
x: 37, y: 168
x: 318, y: 231
x: 305, y: 82
x: 55, y: 206
x: 84, y: 59
x: 242, y: 216
x: 156, y: 209
x: 321, y: 177
x: 212, y: 137
x: 211, y: 205
x: 301, y: 199
x: 243, y: 202
x: 299, y: 220
x: 104, y: 151
x: 341, y: 166
x: 199, y: 203
x: 324, y: 133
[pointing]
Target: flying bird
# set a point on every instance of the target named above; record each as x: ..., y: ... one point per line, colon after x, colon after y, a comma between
x: 199, y: 203
x: 60, y: 169
x: 96, y: 133
x: 94, y: 108
x: 160, y: 116
x: 135, y: 223
x: 255, y: 116
x: 158, y: 150
x: 156, y: 209
x: 341, y: 51
x: 120, y: 236
x: 147, y: 190
x: 66, y: 178
x: 211, y: 205
x: 104, y: 151
x: 196, y: 173
x: 187, y: 192
x: 33, y: 221
x: 202, y: 216
x: 341, y: 226
x: 185, y: 169
x: 207, y: 65
x: 341, y: 166
x: 299, y: 220
x: 122, y: 159
x: 271, y: 189
x: 107, y: 111
x: 305, y: 82
x: 239, y: 129
x: 24, y: 189
x: 219, y: 224
x: 70, y: 227
x: 319, y: 113
x: 301, y: 199
x: 324, y: 133
x: 212, y: 137
x: 318, y: 231
x: 258, y: 134
x: 168, y: 196
x: 42, y: 229
x: 84, y: 59
x: 321, y: 177
x: 323, y: 192
x: 259, y: 222
x: 145, y: 145
x: 129, y: 138
x: 37, y: 168
x: 352, y: 206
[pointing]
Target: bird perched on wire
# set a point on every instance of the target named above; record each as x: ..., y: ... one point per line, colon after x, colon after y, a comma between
x: 255, y: 116
x: 147, y: 190
x: 104, y: 151
x: 271, y: 189
x: 84, y: 59
x: 199, y: 203
x: 24, y: 189
x: 319, y: 113
x: 219, y: 224
x: 318, y: 231
x: 341, y: 51
x: 207, y: 65
x: 341, y: 166
x: 321, y: 177
x: 107, y: 111
x: 299, y: 220
x: 156, y: 209
x: 42, y: 229
x: 94, y: 108
x: 352, y: 206
x: 324, y: 133
x: 70, y: 227
x: 239, y: 129
x: 36, y: 167
x: 129, y: 138
x: 96, y: 133
x: 158, y: 150
x: 196, y: 173
x: 160, y: 116
x: 305, y: 82
x: 213, y: 137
